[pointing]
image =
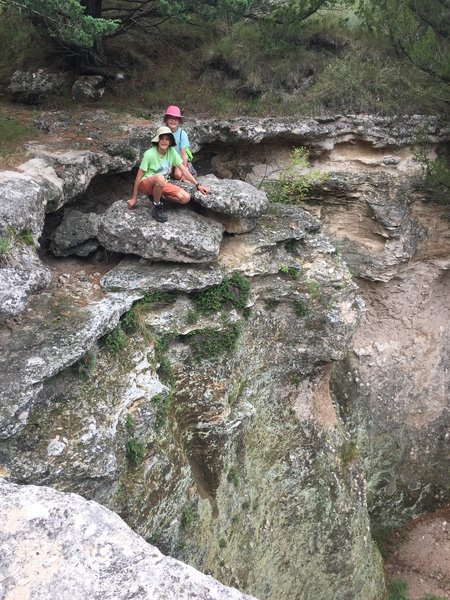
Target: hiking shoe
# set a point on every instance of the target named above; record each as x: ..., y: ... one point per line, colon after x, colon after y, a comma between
x: 159, y: 214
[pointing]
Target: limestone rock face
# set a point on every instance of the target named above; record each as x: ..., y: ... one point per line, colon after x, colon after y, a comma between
x: 239, y: 421
x: 48, y: 344
x: 212, y: 421
x: 322, y: 132
x: 186, y: 237
x: 60, y: 546
x: 144, y: 275
x: 21, y: 274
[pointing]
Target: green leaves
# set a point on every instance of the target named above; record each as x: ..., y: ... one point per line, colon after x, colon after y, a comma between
x: 419, y: 30
x: 66, y: 21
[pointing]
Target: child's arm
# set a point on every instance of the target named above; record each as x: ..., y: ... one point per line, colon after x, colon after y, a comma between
x: 133, y: 200
x: 184, y: 157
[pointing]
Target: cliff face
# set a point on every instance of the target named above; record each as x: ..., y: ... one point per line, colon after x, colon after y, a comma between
x: 232, y: 411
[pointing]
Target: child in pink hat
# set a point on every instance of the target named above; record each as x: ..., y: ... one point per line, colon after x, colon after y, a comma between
x: 173, y: 118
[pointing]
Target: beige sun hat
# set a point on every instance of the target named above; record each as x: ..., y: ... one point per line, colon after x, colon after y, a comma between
x: 163, y: 131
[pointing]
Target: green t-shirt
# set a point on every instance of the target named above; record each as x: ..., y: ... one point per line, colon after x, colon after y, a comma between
x: 154, y: 164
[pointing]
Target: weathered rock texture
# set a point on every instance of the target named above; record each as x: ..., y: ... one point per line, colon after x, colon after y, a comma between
x: 60, y: 546
x: 186, y: 237
x: 238, y: 433
x: 217, y: 425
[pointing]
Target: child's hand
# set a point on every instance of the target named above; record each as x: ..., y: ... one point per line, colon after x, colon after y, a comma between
x: 204, y: 190
x: 132, y: 202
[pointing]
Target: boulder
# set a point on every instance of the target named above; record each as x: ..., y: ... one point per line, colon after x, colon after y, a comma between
x: 30, y: 87
x: 23, y: 204
x: 77, y: 234
x: 143, y: 275
x: 21, y: 274
x: 187, y: 237
x: 233, y: 203
x: 88, y: 88
x: 61, y: 546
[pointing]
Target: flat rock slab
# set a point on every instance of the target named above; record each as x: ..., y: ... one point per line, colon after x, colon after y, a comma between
x: 186, y: 237
x: 143, y: 275
x: 232, y: 197
x: 62, y: 546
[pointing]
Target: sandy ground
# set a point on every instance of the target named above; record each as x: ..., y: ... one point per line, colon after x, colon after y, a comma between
x: 422, y: 556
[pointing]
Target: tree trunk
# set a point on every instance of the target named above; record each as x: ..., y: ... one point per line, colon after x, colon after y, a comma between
x: 93, y: 7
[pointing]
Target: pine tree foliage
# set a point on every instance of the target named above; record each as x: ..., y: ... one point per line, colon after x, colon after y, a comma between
x: 419, y: 29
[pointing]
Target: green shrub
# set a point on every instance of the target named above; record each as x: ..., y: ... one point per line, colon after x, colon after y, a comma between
x: 156, y: 297
x: 233, y: 476
x: 300, y: 307
x: 295, y: 180
x: 398, y: 590
x: 12, y: 238
x: 211, y: 343
x: 188, y: 516
x: 165, y: 369
x: 233, y: 291
x: 135, y: 451
x: 134, y: 447
x: 115, y: 341
x: 162, y: 403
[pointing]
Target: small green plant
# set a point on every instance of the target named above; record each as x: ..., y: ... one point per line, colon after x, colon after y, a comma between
x: 192, y: 317
x: 188, y: 516
x: 135, y: 451
x: 115, y: 341
x: 162, y: 403
x: 12, y: 238
x: 233, y: 476
x: 129, y: 321
x: 246, y: 505
x: 234, y: 291
x: 165, y: 369
x: 295, y: 180
x: 294, y: 272
x: 156, y: 297
x: 211, y: 343
x: 134, y: 447
x: 222, y: 543
x: 313, y: 289
x: 271, y: 303
x: 300, y: 307
x: 86, y: 365
x: 349, y: 452
x: 398, y: 590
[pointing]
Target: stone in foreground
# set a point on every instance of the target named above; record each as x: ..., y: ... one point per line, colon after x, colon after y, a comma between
x: 61, y: 546
x: 187, y: 237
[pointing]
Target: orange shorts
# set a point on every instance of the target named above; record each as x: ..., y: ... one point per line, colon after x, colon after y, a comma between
x: 169, y: 190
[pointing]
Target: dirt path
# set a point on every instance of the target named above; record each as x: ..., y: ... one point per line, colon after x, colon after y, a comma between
x: 422, y: 556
